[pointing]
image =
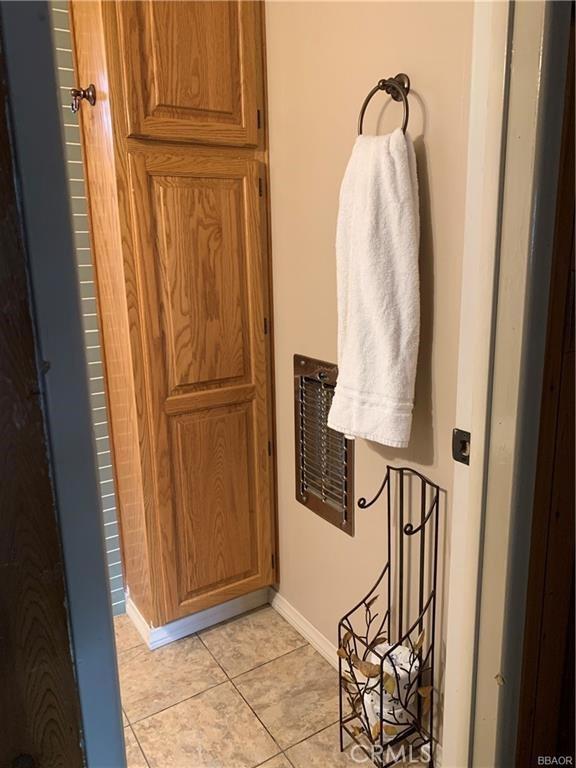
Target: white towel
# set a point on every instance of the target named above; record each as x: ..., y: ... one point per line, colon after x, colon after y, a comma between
x: 378, y: 292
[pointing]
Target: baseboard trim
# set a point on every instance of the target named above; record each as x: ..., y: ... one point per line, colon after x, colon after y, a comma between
x: 316, y: 639
x: 137, y: 619
x: 156, y: 637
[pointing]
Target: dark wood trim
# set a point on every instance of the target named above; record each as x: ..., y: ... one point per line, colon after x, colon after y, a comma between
x: 39, y: 709
x: 546, y: 707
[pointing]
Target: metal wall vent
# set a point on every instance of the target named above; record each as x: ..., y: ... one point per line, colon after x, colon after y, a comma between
x: 324, y: 458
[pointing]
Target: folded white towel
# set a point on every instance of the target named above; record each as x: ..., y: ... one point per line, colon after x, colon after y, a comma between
x: 378, y: 292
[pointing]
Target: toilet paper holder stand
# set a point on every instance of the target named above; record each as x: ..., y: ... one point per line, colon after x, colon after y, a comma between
x: 386, y: 642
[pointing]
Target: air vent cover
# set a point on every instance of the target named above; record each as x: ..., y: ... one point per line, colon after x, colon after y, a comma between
x: 324, y: 458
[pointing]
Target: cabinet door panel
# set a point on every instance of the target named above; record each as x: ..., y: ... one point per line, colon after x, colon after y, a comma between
x: 202, y: 302
x: 213, y: 453
x: 202, y: 268
x: 190, y: 70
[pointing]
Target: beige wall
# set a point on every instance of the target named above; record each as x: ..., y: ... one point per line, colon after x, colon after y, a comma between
x: 323, y: 57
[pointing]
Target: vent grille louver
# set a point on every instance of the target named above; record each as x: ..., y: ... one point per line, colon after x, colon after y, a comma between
x: 324, y: 458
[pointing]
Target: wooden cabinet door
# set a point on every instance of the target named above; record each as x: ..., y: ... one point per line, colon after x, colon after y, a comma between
x: 202, y: 311
x: 190, y: 70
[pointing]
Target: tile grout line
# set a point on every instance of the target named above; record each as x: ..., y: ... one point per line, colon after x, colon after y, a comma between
x: 216, y: 685
x: 263, y: 664
x: 270, y: 759
x: 297, y: 743
x: 187, y: 698
x: 280, y: 750
x: 176, y: 703
x: 123, y: 650
x: 228, y: 678
x: 311, y: 735
x: 231, y: 681
x: 139, y: 745
x: 325, y: 728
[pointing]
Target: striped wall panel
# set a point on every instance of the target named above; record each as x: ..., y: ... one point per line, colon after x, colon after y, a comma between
x: 75, y: 170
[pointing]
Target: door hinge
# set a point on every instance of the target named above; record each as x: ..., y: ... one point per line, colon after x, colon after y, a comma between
x: 273, y: 561
x: 260, y: 186
x: 461, y: 446
x: 265, y: 326
x: 258, y: 122
x: 269, y: 448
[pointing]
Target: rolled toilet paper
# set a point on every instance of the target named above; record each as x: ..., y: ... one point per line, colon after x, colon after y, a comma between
x: 403, y: 666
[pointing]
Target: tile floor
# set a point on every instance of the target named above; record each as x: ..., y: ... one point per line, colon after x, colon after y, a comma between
x: 246, y: 693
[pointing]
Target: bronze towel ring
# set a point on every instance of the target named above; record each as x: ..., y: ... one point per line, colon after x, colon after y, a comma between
x: 398, y: 88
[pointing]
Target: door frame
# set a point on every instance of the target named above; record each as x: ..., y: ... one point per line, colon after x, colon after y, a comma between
x: 533, y: 148
x: 548, y: 634
x: 518, y: 71
x: 33, y: 92
x: 39, y: 707
x: 487, y: 119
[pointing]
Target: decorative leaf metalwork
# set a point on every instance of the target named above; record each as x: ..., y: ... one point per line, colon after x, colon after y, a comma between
x: 365, y: 667
x: 386, y: 658
x: 389, y: 684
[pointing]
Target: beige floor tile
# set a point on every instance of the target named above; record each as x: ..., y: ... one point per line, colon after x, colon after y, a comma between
x: 153, y: 680
x: 277, y: 762
x: 323, y: 750
x: 294, y: 696
x: 134, y: 756
x: 127, y: 636
x: 124, y: 719
x: 251, y: 640
x: 212, y: 730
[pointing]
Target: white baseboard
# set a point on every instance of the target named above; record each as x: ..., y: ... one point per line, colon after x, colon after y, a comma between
x: 137, y: 619
x: 155, y: 637
x: 316, y: 639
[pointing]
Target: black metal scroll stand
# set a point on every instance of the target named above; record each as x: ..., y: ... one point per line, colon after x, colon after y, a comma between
x: 386, y: 642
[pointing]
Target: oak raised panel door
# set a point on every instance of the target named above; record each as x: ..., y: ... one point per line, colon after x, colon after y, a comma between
x: 190, y: 70
x: 202, y: 296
